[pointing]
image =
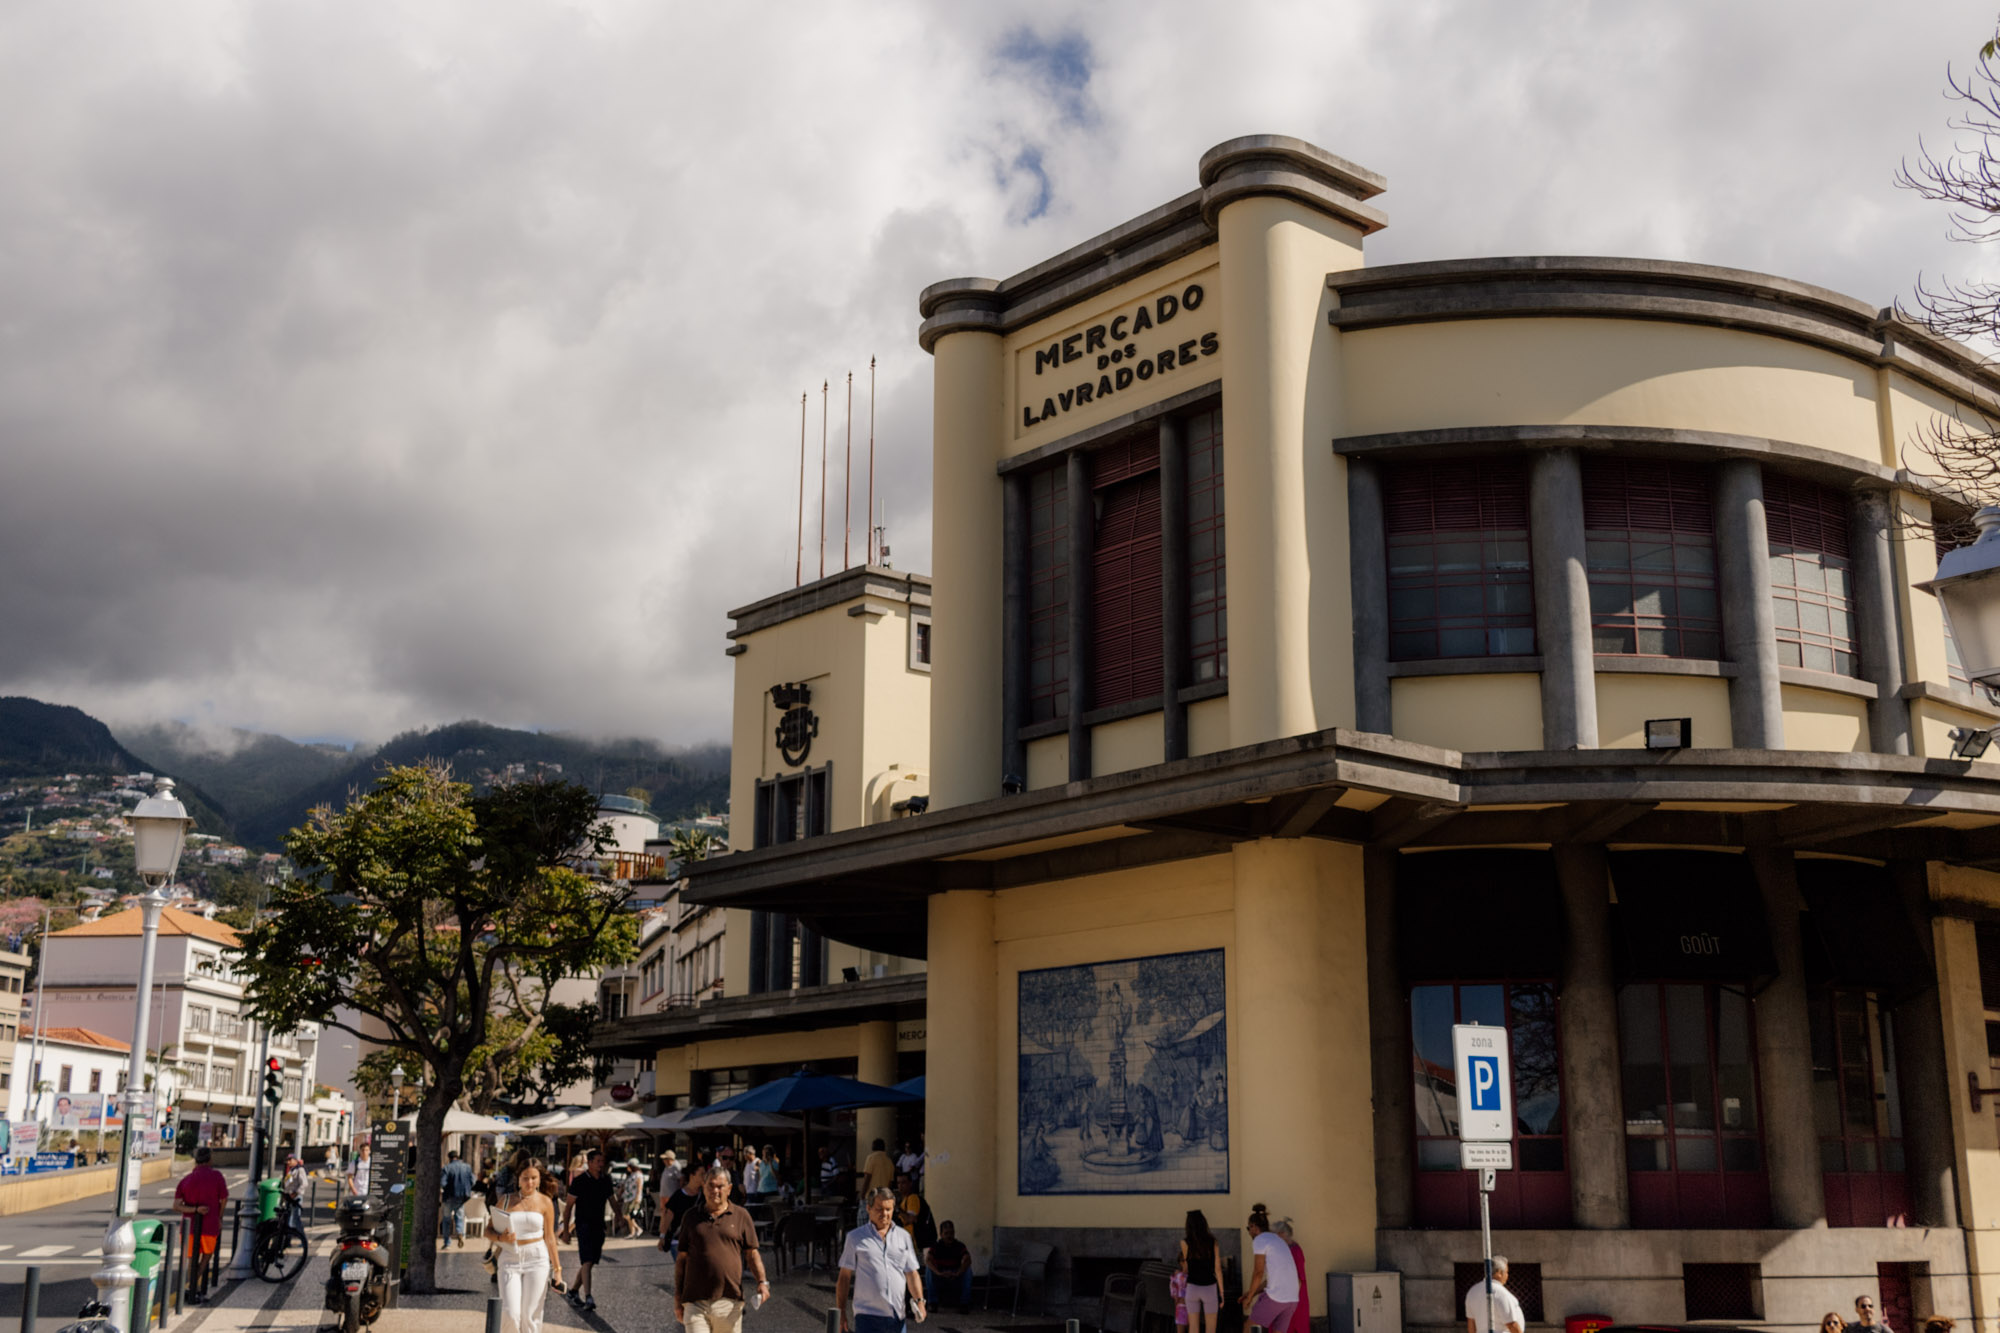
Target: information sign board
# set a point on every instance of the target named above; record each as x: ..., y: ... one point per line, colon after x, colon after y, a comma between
x: 1485, y: 1083
x: 1486, y: 1156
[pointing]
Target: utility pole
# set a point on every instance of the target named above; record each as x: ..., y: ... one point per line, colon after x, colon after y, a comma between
x: 246, y: 1207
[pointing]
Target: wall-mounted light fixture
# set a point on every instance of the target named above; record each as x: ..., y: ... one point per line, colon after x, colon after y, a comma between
x: 1970, y: 742
x: 1670, y: 733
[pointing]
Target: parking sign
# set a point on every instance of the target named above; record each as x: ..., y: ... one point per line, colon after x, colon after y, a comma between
x: 1485, y: 1083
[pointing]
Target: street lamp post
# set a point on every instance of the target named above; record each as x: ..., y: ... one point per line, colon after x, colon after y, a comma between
x: 1968, y: 591
x: 159, y: 828
x: 396, y: 1077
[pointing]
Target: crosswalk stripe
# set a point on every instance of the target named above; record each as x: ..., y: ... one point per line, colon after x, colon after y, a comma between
x: 45, y: 1251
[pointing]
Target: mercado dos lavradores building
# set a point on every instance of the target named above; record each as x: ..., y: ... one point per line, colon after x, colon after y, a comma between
x: 1298, y: 630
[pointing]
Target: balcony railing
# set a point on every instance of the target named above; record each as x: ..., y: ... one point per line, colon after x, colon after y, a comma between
x: 624, y: 866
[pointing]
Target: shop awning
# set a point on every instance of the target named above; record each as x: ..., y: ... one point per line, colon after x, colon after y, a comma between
x: 1688, y: 916
x: 1856, y: 931
x: 1484, y: 915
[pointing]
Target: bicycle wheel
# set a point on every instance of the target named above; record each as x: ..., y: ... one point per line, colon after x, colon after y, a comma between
x: 280, y: 1254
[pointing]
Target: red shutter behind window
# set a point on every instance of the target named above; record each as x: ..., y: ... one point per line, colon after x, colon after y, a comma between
x: 1629, y: 495
x: 1125, y: 592
x: 1805, y: 516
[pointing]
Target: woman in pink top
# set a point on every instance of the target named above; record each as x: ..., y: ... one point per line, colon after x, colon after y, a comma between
x: 1302, y: 1317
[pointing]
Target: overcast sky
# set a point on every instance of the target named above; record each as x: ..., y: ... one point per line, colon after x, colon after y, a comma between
x: 374, y: 366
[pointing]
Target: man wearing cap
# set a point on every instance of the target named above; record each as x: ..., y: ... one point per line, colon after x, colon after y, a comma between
x: 202, y: 1195
x: 294, y: 1189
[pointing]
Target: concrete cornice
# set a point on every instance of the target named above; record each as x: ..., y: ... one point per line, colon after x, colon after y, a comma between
x: 1253, y: 165
x: 1808, y: 460
x: 1530, y: 286
x: 849, y: 585
x: 1267, y: 164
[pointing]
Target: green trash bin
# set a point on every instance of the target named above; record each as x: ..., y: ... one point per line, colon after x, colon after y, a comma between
x: 150, y: 1237
x: 267, y: 1197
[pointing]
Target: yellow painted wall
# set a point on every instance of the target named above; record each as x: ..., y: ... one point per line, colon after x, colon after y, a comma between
x: 1030, y: 390
x: 968, y: 436
x: 1922, y: 617
x: 961, y: 1067
x: 1915, y: 408
x: 1625, y: 702
x: 1048, y: 762
x: 1824, y: 720
x: 895, y: 716
x: 1208, y: 726
x: 736, y: 950
x: 1977, y: 1134
x: 1609, y: 372
x: 1131, y: 742
x: 1291, y: 635
x: 1467, y: 713
x: 1930, y: 730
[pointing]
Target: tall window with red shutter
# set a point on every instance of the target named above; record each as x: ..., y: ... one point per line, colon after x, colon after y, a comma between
x: 1460, y: 578
x: 1125, y: 568
x: 1812, y: 583
x: 1649, y: 541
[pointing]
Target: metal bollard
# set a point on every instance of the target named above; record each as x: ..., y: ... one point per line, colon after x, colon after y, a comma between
x: 833, y: 1320
x: 1072, y: 1326
x: 492, y: 1314
x: 31, y: 1298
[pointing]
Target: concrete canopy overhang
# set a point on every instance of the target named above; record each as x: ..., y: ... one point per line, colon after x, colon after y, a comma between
x: 868, y: 886
x: 801, y: 1009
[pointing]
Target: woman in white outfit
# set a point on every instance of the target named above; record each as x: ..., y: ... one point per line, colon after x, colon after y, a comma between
x: 523, y: 1226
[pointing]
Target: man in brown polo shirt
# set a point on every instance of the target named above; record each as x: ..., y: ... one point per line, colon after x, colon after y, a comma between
x: 718, y: 1240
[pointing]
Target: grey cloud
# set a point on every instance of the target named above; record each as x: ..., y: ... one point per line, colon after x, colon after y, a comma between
x: 368, y: 368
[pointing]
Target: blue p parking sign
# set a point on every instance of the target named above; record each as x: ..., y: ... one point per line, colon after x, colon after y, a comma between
x: 1485, y: 1083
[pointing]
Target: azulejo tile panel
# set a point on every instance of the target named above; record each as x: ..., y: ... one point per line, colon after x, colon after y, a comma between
x: 1125, y: 1077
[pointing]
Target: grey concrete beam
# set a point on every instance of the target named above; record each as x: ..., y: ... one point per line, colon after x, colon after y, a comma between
x: 1014, y: 628
x: 1562, y: 601
x: 1784, y: 1053
x: 1389, y: 1047
x: 1368, y: 563
x: 1880, y: 624
x: 1173, y: 586
x: 1922, y: 1068
x: 1749, y: 637
x: 1593, y: 1108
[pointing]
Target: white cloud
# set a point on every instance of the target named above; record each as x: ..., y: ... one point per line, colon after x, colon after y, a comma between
x: 364, y: 368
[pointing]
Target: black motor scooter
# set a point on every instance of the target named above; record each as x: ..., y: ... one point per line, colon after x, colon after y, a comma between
x: 358, y: 1286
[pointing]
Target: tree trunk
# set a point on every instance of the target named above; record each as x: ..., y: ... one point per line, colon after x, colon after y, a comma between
x: 427, y: 1181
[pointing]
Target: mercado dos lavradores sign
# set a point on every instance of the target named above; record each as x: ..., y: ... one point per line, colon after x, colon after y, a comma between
x: 1119, y: 358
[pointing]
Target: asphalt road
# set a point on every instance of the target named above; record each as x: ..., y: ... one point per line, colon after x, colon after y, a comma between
x: 66, y: 1242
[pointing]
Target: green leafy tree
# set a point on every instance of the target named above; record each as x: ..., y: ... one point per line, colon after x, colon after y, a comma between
x: 409, y: 911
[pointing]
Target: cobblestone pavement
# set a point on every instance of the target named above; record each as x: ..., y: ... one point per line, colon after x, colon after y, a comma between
x: 633, y: 1288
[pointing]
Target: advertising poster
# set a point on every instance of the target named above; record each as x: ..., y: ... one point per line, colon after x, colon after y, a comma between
x: 68, y: 1113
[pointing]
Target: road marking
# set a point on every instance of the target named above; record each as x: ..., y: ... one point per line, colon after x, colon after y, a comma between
x: 45, y: 1251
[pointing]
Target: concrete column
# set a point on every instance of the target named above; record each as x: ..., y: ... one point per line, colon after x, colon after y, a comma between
x: 1299, y: 1021
x: 1593, y: 1107
x: 962, y: 1067
x: 1368, y: 558
x: 1082, y: 620
x: 1290, y: 613
x: 1921, y: 1070
x: 1014, y: 628
x: 1749, y: 638
x: 968, y: 433
x: 1389, y: 1047
x: 1879, y: 626
x: 1562, y: 601
x: 875, y: 1062
x: 1173, y: 586
x: 1784, y: 1052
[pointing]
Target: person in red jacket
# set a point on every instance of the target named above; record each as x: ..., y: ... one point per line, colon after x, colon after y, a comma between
x: 202, y: 1194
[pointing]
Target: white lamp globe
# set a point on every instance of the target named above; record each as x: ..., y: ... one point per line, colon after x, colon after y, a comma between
x: 159, y: 828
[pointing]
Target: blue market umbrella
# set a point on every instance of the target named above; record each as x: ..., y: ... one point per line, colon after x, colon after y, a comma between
x: 913, y: 1086
x: 807, y: 1092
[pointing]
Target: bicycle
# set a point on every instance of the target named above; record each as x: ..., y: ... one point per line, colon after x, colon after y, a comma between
x: 280, y: 1248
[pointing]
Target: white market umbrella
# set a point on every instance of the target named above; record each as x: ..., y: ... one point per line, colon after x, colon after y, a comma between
x: 542, y: 1122
x: 465, y: 1122
x: 597, y: 1120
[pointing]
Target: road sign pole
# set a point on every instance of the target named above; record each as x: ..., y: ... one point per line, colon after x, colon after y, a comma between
x: 1486, y: 1237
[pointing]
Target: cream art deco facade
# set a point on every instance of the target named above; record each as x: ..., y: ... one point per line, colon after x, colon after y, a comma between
x: 1298, y: 627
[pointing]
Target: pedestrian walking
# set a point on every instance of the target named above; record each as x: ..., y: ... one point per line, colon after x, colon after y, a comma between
x: 454, y: 1188
x: 718, y: 1243
x: 879, y: 1272
x: 589, y: 1195
x: 1273, y: 1290
x: 1831, y: 1322
x: 1302, y: 1317
x: 625, y: 1200
x: 1507, y: 1313
x: 1199, y: 1262
x: 1865, y: 1318
x: 523, y: 1228
x: 360, y: 1171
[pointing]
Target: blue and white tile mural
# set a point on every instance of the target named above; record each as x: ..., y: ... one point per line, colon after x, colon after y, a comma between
x: 1125, y: 1077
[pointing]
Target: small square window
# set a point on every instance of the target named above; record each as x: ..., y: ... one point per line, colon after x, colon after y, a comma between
x: 920, y: 642
x: 1723, y: 1291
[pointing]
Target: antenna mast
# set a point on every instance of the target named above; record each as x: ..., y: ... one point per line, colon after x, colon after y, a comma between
x: 871, y: 558
x: 847, y: 478
x: 822, y: 478
x: 799, y: 557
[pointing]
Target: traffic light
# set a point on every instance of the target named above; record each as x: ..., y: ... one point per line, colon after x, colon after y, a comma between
x: 274, y: 1080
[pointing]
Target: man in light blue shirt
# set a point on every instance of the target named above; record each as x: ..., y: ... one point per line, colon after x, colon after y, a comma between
x: 879, y: 1271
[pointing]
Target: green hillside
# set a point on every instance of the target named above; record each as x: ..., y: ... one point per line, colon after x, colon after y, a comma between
x: 39, y: 740
x: 250, y: 772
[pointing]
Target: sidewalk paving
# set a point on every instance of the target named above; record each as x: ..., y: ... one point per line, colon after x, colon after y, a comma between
x: 633, y: 1287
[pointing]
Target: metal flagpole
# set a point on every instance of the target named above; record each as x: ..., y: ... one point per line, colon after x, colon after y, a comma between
x: 873, y: 554
x: 847, y: 479
x: 822, y: 477
x: 799, y: 560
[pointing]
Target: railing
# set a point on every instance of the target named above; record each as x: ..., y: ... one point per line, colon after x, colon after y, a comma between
x: 631, y: 865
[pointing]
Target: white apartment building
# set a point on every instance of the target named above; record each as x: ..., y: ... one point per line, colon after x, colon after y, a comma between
x: 199, y: 1021
x: 13, y: 981
x: 71, y: 1078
